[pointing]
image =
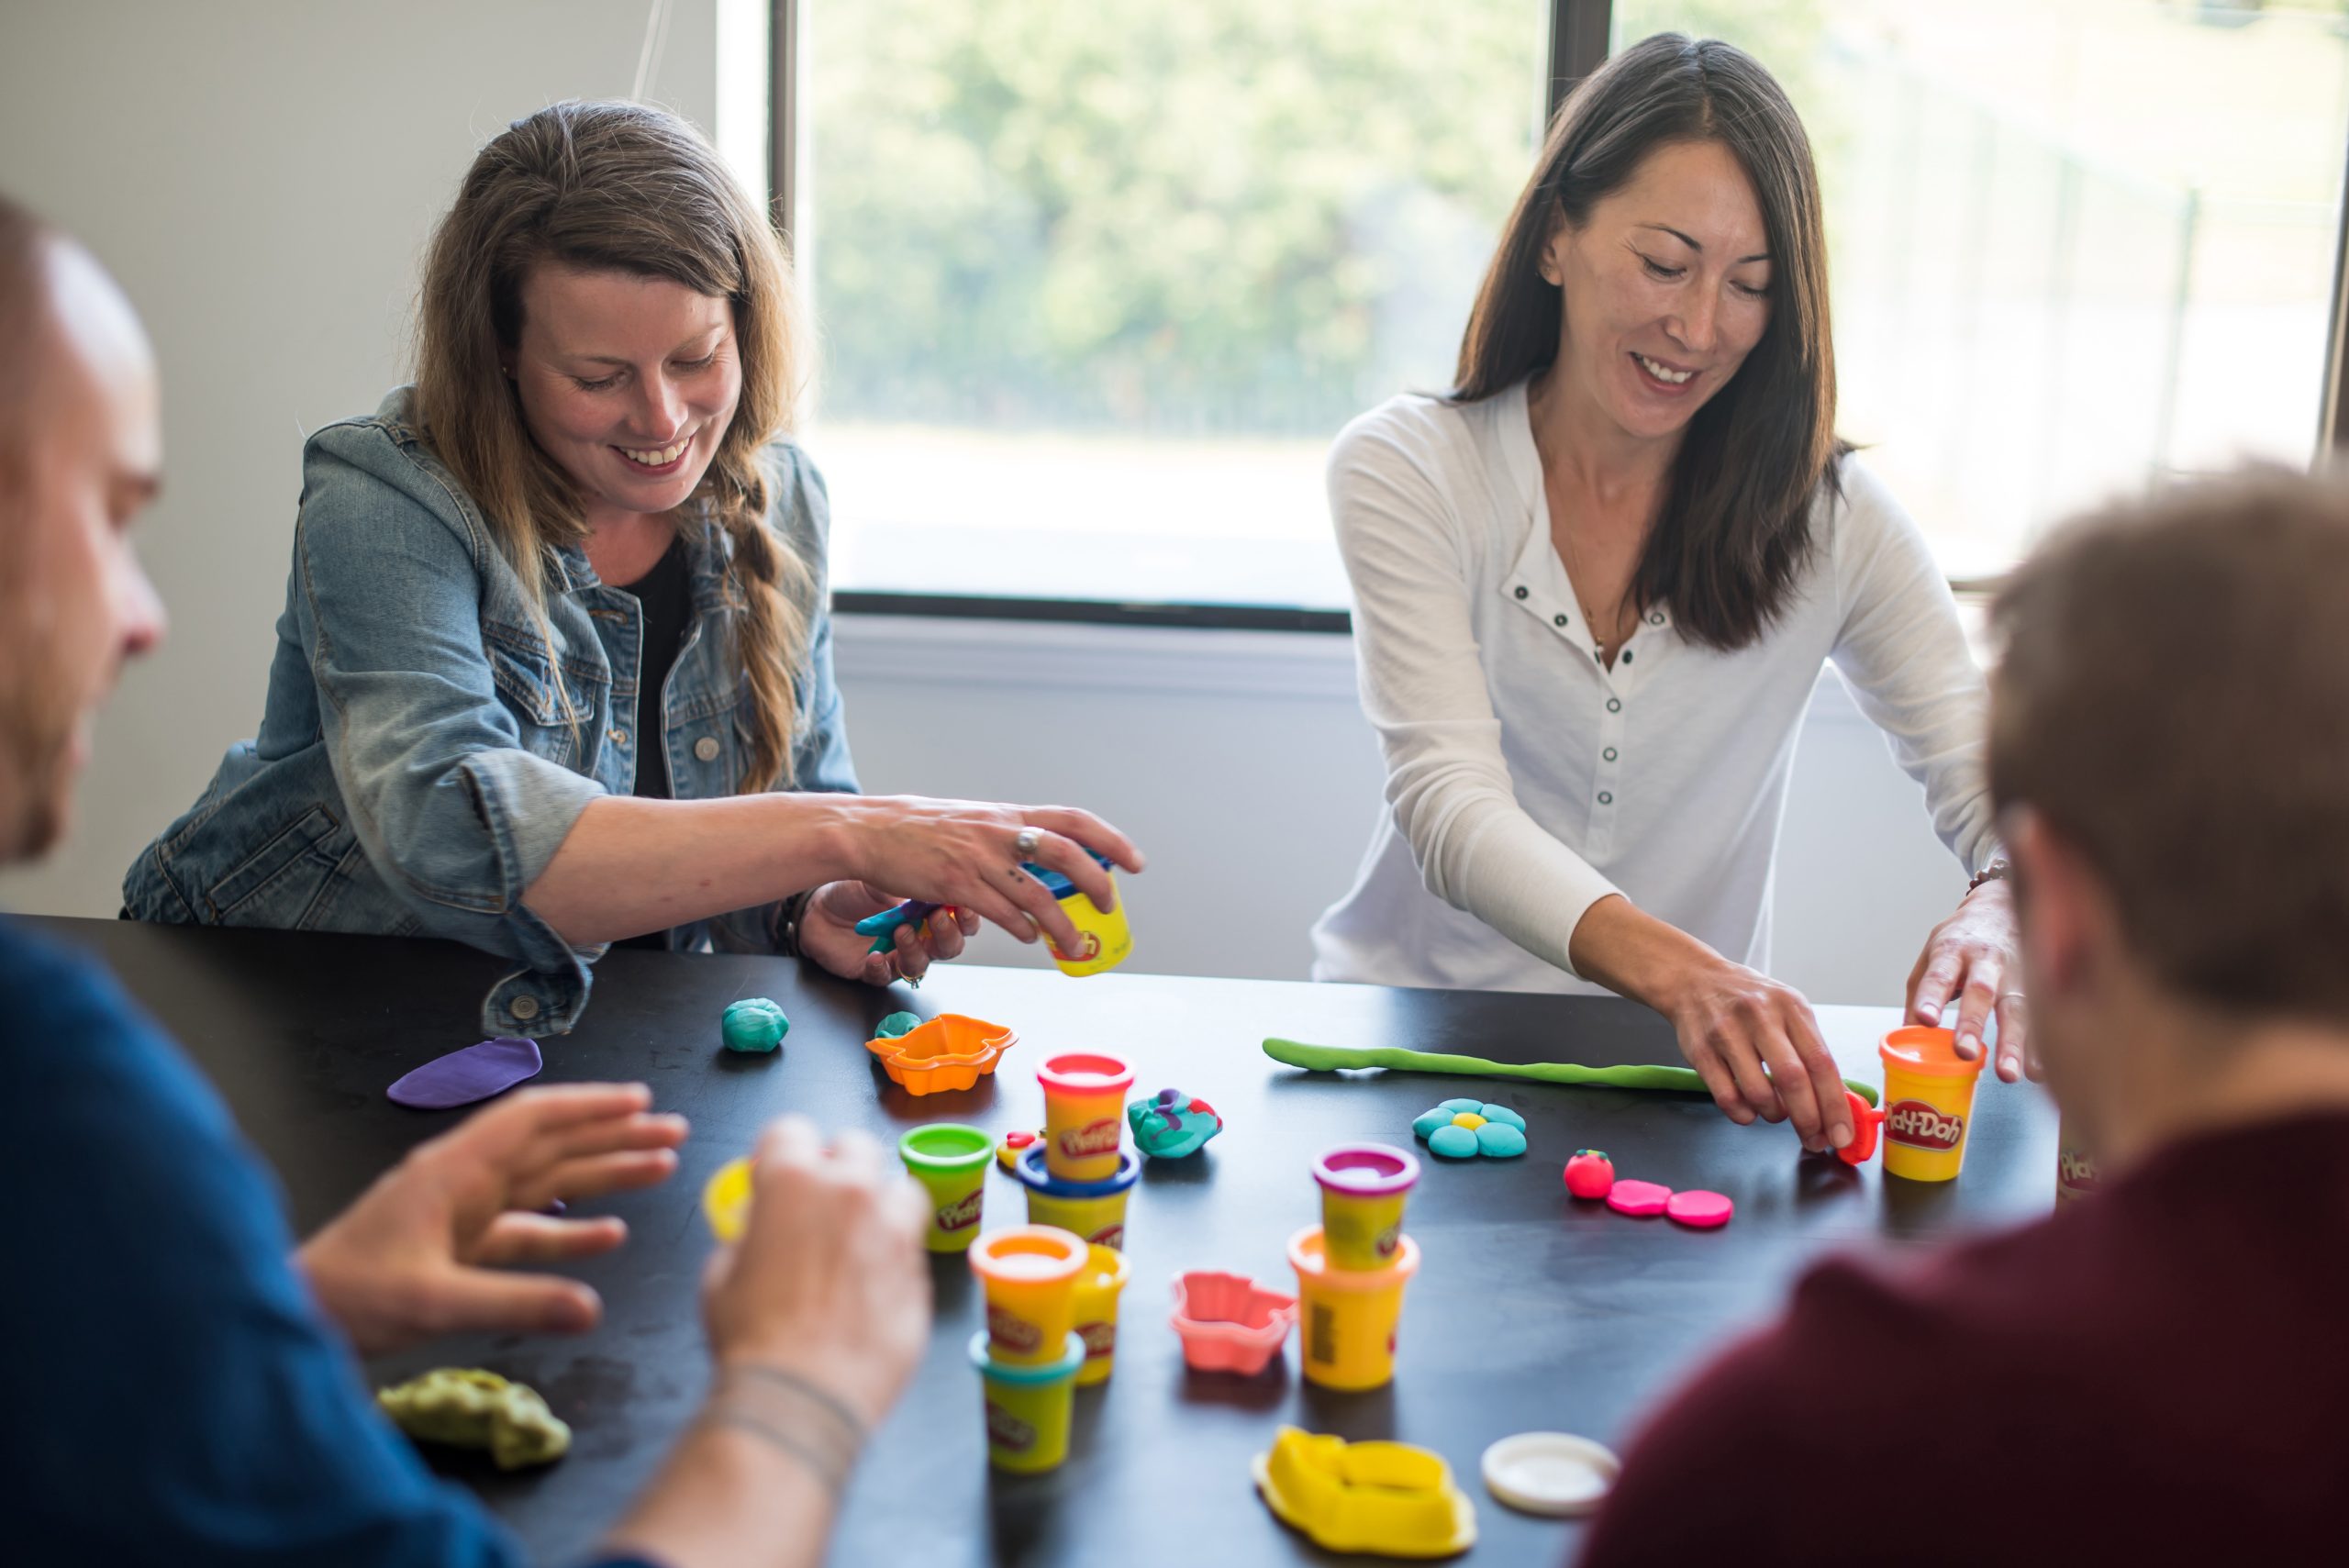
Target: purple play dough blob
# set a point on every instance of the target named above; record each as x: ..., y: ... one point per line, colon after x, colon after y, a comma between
x: 473, y: 1073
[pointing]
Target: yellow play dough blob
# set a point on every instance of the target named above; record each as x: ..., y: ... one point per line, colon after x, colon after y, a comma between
x: 1468, y: 1119
x: 468, y: 1407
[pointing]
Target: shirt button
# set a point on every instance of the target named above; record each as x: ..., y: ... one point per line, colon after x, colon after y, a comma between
x: 620, y: 735
x: 1605, y: 798
x: 1609, y: 753
x: 1614, y: 704
x: 1656, y: 619
x: 706, y: 748
x: 1627, y: 656
x: 1520, y: 592
x: 524, y: 1008
x: 1561, y: 620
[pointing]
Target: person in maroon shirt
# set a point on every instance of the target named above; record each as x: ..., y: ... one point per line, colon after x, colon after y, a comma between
x: 2157, y: 1374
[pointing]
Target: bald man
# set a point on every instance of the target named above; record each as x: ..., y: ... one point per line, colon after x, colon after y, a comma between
x: 177, y: 1382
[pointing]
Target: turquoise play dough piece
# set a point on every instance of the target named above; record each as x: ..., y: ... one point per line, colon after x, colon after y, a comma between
x: 1429, y: 1120
x: 1502, y: 1114
x: 754, y: 1024
x: 1456, y: 1106
x: 1499, y: 1139
x: 1453, y: 1142
x: 898, y: 1025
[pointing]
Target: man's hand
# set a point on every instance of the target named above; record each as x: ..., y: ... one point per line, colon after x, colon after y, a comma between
x: 827, y: 935
x: 418, y: 1255
x: 1974, y: 956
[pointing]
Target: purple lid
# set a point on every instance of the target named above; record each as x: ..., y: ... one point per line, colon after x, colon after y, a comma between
x: 1367, y: 1170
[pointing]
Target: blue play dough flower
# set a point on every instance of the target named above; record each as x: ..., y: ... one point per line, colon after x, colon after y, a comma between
x: 1462, y: 1129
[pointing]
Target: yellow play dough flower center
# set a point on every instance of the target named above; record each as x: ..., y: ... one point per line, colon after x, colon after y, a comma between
x: 1468, y: 1119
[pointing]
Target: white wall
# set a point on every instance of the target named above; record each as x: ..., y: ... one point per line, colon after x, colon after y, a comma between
x: 260, y: 174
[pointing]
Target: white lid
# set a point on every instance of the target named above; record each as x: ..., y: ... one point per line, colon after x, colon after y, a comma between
x: 1551, y: 1473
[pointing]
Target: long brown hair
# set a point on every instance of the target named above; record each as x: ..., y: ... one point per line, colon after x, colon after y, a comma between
x: 1734, y: 524
x: 618, y: 187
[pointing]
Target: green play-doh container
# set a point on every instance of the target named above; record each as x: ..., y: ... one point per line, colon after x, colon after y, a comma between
x: 951, y: 1161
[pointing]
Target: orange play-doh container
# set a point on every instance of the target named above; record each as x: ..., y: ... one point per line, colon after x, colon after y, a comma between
x: 1928, y: 1103
x: 1029, y: 1275
x: 1084, y: 1114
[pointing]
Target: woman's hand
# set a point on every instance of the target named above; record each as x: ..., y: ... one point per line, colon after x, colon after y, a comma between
x: 968, y: 854
x: 418, y: 1254
x: 1752, y: 1040
x: 1974, y: 956
x: 827, y: 935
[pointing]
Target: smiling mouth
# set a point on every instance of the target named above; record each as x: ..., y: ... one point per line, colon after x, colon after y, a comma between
x: 657, y: 458
x: 1663, y: 372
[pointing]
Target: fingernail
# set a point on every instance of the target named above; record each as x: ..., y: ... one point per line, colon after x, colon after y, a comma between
x: 1839, y: 1136
x: 1929, y: 1012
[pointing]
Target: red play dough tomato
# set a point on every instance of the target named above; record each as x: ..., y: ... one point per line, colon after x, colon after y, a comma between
x: 1590, y: 1174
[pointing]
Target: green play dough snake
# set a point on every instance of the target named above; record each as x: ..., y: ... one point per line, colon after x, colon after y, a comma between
x: 1672, y: 1080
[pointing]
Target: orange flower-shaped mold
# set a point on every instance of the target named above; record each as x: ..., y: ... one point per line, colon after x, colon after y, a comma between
x: 950, y: 1051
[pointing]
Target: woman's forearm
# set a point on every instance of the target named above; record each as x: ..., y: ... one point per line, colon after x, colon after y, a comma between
x: 1635, y: 954
x: 728, y: 1498
x: 629, y: 866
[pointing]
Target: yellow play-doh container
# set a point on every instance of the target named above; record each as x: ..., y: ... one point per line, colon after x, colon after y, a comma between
x: 1097, y: 1289
x: 1347, y: 1319
x: 1093, y: 1211
x: 1928, y: 1104
x: 2074, y: 1162
x: 1363, y: 1189
x: 1084, y: 1114
x: 1029, y: 1275
x: 1028, y: 1407
x: 951, y: 1161
x: 726, y: 1200
x: 1104, y: 939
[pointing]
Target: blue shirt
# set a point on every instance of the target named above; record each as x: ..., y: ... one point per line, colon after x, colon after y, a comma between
x: 429, y: 737
x: 169, y: 1391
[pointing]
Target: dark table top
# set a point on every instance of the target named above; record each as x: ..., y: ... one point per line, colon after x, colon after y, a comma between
x: 1532, y: 1311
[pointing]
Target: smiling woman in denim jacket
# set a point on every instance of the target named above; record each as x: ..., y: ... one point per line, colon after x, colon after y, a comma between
x: 554, y: 669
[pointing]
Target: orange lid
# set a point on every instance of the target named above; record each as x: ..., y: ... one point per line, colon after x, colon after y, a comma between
x: 1930, y: 1053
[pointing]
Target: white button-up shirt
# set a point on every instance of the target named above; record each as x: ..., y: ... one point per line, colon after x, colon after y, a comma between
x: 1526, y: 780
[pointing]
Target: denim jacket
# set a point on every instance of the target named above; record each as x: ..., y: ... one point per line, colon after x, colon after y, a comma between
x: 416, y: 768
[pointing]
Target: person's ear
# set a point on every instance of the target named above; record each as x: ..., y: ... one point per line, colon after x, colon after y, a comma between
x: 1553, y: 265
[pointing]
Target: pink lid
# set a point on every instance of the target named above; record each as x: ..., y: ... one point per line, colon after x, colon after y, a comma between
x: 1367, y: 1170
x: 1085, y: 1073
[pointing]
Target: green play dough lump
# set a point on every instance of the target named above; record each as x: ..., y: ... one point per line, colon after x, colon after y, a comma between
x: 468, y: 1407
x: 898, y: 1025
x: 1453, y: 1142
x: 1456, y: 1106
x: 1431, y: 1121
x: 754, y: 1024
x: 1499, y: 1139
x: 1501, y: 1114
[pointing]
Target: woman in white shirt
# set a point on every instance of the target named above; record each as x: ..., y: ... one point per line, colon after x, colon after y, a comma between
x: 1593, y: 586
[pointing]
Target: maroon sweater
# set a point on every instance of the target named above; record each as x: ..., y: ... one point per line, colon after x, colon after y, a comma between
x: 2158, y: 1374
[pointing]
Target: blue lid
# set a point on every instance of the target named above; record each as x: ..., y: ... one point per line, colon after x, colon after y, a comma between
x: 1029, y: 1170
x: 1057, y: 1371
x: 1058, y: 886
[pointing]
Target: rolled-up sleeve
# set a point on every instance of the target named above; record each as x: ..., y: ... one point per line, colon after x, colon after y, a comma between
x: 458, y: 817
x: 1424, y: 689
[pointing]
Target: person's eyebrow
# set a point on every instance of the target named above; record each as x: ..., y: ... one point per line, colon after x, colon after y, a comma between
x: 1695, y: 245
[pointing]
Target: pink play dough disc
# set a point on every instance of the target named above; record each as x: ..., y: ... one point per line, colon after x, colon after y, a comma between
x: 1638, y: 1197
x: 1704, y: 1210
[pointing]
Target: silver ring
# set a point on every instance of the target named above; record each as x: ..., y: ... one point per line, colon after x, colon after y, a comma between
x: 1026, y: 842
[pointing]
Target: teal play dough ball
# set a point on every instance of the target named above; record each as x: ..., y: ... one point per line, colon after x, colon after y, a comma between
x: 896, y: 1025
x: 1454, y: 1142
x: 1429, y: 1120
x: 754, y: 1024
x: 1499, y: 1139
x: 1456, y: 1106
x: 1504, y: 1115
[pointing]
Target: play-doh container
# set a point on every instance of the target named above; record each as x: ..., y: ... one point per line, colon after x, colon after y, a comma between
x: 1027, y: 1407
x: 1347, y: 1319
x: 950, y: 1162
x: 1102, y: 1281
x: 1029, y: 1275
x: 1928, y: 1104
x: 1364, y: 1188
x: 2074, y: 1162
x: 1105, y: 940
x: 726, y: 1200
x: 1094, y: 1210
x: 1084, y: 1114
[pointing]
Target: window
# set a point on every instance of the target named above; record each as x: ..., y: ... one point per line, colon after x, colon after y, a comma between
x: 2074, y: 244
x: 1097, y: 284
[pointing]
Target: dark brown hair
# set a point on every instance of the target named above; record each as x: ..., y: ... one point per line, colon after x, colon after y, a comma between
x: 1734, y: 525
x: 618, y: 187
x: 21, y: 308
x: 2174, y: 701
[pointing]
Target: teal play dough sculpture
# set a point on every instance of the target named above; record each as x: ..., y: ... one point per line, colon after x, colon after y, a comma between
x: 1171, y: 1124
x: 1669, y: 1080
x: 1462, y: 1129
x: 896, y: 1026
x: 754, y: 1024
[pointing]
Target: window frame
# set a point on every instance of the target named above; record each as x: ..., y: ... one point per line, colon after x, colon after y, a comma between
x: 1580, y: 31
